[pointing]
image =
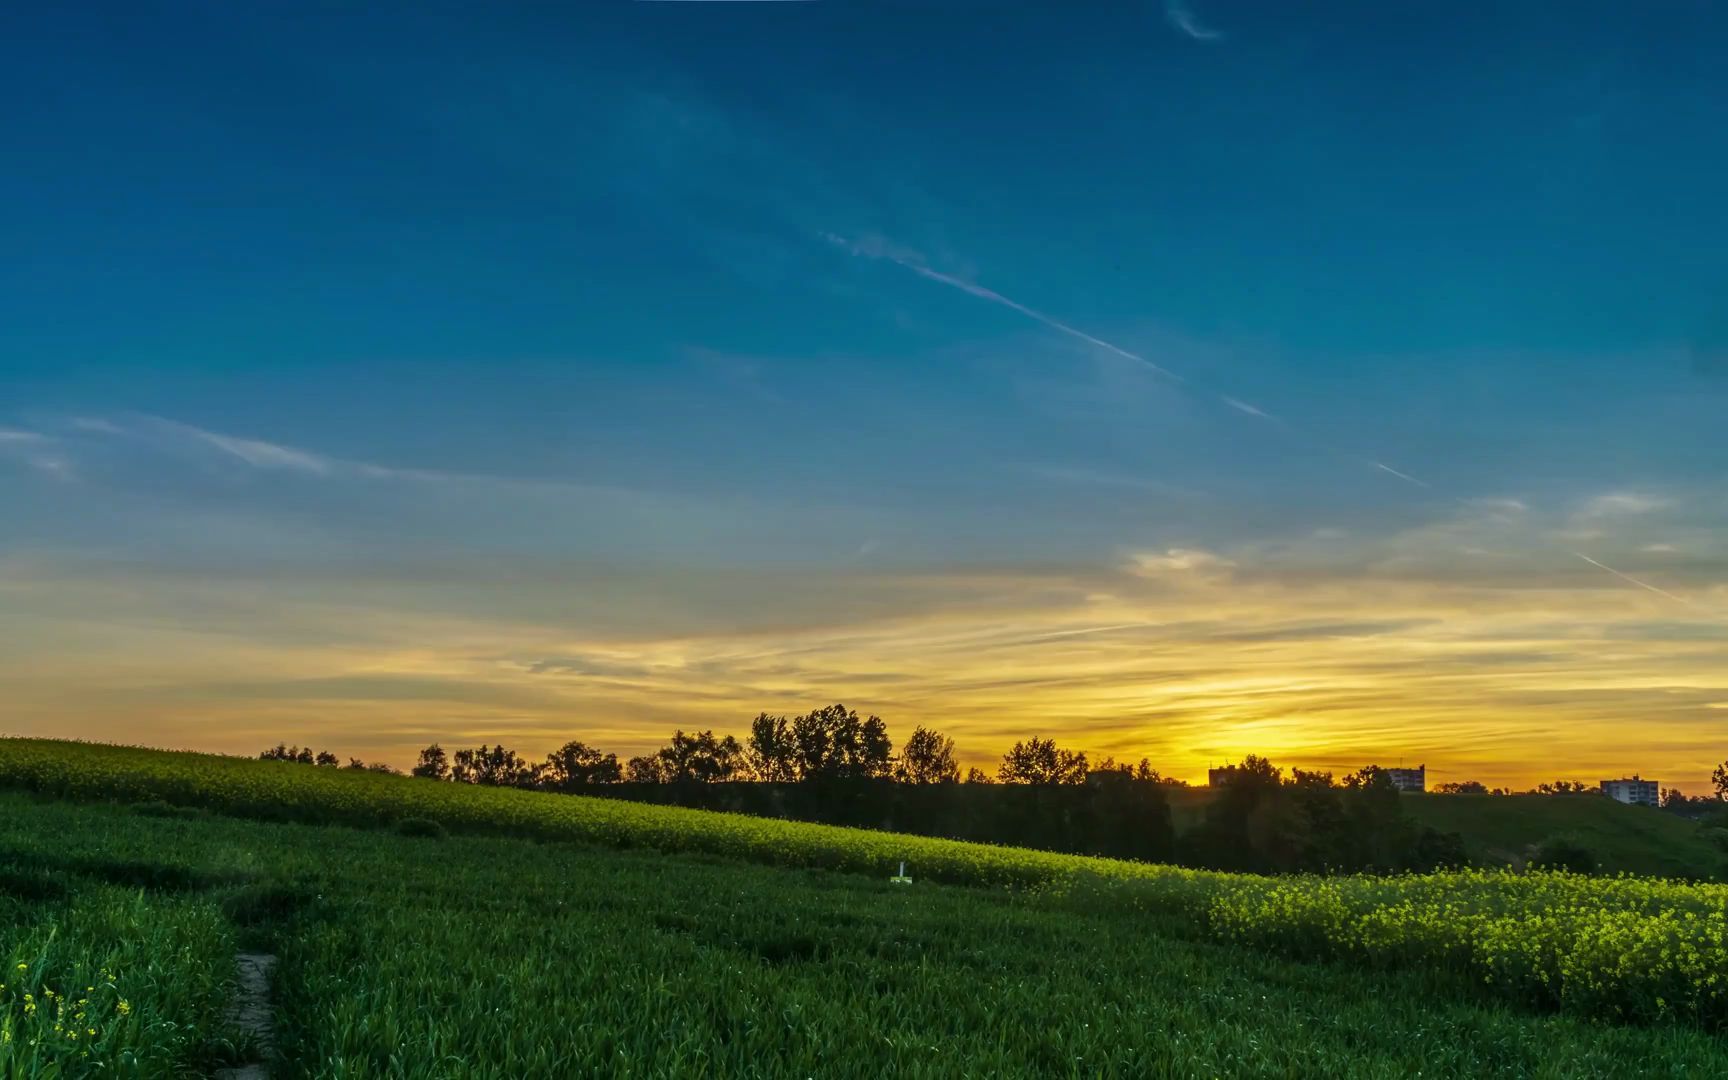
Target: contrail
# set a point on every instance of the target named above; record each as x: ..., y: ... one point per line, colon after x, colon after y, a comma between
x: 1635, y: 581
x: 880, y: 251
x: 1014, y: 305
x: 1242, y: 406
x: 1239, y: 405
x: 1385, y: 468
x: 995, y: 297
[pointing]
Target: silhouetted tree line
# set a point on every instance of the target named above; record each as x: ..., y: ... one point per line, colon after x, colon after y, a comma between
x: 303, y: 755
x: 1265, y: 822
x: 834, y: 766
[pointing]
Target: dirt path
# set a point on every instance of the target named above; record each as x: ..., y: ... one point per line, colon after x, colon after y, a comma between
x: 249, y: 1010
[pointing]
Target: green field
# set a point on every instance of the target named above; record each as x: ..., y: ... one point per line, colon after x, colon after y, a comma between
x: 1501, y: 830
x: 551, y: 935
x: 1636, y: 839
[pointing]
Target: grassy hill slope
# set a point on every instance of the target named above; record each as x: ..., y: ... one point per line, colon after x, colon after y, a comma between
x: 487, y: 956
x: 1499, y: 830
x: 1637, y: 839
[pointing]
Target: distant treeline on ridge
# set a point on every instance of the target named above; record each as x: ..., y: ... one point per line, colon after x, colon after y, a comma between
x: 830, y: 765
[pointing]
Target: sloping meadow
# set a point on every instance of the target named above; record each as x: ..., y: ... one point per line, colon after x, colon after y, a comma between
x: 1621, y: 948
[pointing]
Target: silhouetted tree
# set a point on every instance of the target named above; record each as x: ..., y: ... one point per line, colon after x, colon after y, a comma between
x: 327, y: 759
x: 576, y: 765
x: 832, y: 743
x: 1719, y: 780
x: 1145, y: 772
x: 1461, y: 787
x: 700, y: 758
x: 433, y: 764
x: 1302, y: 778
x: 492, y: 766
x: 301, y: 755
x: 1041, y: 761
x: 644, y: 770
x: 975, y: 775
x: 355, y: 764
x: 382, y: 767
x: 1257, y: 772
x: 771, y: 753
x: 927, y: 758
x: 1365, y: 777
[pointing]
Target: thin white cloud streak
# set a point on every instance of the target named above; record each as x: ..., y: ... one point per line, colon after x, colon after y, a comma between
x: 1385, y: 468
x: 880, y: 251
x: 264, y: 455
x: 1622, y: 504
x: 1177, y: 14
x: 1608, y: 505
x: 38, y: 451
x: 1635, y: 581
x: 1242, y: 406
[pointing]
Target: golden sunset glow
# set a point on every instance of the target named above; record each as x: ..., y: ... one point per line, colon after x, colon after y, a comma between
x: 1509, y: 667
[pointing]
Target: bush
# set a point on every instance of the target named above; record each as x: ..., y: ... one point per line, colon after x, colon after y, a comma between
x: 1716, y: 836
x: 164, y: 809
x: 1564, y: 853
x: 420, y: 827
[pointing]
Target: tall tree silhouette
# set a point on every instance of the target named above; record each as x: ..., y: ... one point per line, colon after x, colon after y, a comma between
x: 492, y: 766
x: 434, y: 764
x: 927, y: 758
x: 576, y: 765
x: 1041, y: 761
x: 701, y: 758
x: 832, y: 743
x: 770, y: 751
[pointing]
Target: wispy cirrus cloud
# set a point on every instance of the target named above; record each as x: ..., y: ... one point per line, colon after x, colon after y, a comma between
x: 260, y: 454
x: 1179, y: 15
x: 1180, y: 653
x: 1621, y: 504
x: 1181, y: 562
x: 39, y: 452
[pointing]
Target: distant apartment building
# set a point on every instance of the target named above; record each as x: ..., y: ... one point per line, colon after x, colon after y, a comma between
x: 1635, y: 791
x: 1218, y: 777
x: 1409, y: 779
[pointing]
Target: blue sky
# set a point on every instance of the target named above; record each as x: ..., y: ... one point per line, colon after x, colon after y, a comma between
x: 671, y: 336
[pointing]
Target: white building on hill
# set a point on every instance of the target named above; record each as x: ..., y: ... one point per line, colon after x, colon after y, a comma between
x: 1636, y: 791
x: 1409, y: 779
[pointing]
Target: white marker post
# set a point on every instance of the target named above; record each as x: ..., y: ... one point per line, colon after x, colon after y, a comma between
x: 901, y: 878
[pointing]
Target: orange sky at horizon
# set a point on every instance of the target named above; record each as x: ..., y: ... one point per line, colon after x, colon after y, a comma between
x: 1186, y: 657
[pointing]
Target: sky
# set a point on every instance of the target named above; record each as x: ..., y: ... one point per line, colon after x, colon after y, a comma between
x: 1340, y: 382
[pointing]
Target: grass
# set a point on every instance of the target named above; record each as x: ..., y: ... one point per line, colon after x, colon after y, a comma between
x: 98, y: 974
x: 1500, y: 830
x: 499, y: 916
x: 473, y: 956
x: 1636, y: 839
